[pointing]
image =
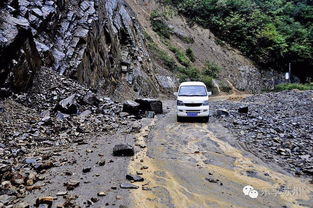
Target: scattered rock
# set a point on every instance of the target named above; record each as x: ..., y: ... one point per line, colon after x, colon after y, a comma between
x: 101, y: 194
x: 128, y: 186
x: 244, y: 109
x: 147, y: 104
x: 131, y: 107
x: 222, y: 112
x: 86, y: 170
x: 68, y: 105
x: 71, y: 184
x: 135, y: 178
x: 123, y: 150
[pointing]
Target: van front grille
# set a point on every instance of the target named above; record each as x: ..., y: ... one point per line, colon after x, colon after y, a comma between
x: 193, y: 104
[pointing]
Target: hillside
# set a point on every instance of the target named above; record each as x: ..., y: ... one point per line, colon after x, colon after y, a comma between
x: 170, y: 36
x: 271, y: 33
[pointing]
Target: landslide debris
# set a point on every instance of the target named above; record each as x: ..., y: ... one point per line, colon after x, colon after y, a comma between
x: 276, y: 127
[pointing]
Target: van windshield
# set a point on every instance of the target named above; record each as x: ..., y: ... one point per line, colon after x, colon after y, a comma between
x: 192, y: 91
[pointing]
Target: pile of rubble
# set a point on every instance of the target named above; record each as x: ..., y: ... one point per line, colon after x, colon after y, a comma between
x: 37, y: 125
x: 277, y: 127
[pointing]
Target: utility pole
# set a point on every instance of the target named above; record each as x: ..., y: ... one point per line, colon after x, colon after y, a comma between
x: 289, y: 72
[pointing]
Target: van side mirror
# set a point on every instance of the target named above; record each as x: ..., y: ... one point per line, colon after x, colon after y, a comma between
x: 209, y: 93
x: 176, y: 94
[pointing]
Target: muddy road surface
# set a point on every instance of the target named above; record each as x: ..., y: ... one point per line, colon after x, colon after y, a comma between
x: 186, y: 165
x: 195, y: 165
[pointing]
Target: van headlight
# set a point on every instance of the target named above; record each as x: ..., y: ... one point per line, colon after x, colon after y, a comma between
x: 205, y: 103
x: 180, y: 103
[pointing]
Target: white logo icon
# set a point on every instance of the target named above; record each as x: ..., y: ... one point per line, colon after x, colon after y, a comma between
x: 249, y: 190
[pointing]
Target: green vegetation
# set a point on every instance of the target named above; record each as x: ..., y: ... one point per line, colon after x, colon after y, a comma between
x: 162, y: 56
x: 190, y: 55
x: 159, y: 25
x: 272, y: 33
x: 291, y: 86
x: 180, y: 56
x: 211, y: 69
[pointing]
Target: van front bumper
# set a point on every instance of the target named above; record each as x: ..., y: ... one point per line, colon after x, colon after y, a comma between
x: 184, y: 111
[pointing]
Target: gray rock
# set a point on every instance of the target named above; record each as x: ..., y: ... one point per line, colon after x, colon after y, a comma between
x: 222, y: 112
x: 68, y: 105
x: 128, y: 186
x: 135, y: 178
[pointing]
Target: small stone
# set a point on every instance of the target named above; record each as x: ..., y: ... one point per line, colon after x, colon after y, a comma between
x: 71, y: 185
x: 128, y: 186
x: 62, y: 193
x: 135, y: 178
x: 101, y: 194
x: 101, y: 163
x: 86, y: 170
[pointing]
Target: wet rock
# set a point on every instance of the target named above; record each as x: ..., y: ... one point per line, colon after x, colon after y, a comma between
x: 131, y: 107
x: 150, y: 105
x: 123, y: 150
x: 135, y: 178
x: 128, y: 186
x: 243, y: 109
x: 68, y: 105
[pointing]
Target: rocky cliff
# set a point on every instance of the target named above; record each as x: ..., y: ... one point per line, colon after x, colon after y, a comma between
x: 99, y: 43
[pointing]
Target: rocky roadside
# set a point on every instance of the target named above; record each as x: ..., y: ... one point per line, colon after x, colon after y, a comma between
x: 54, y: 125
x: 276, y: 127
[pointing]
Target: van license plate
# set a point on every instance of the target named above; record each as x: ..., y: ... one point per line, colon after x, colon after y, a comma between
x: 192, y: 114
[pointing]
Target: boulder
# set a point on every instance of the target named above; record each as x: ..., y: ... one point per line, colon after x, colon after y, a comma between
x: 68, y: 105
x: 243, y: 109
x: 131, y: 107
x: 147, y: 104
x: 91, y: 99
x: 123, y: 150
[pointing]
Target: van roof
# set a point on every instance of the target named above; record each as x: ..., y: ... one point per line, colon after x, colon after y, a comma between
x: 192, y: 83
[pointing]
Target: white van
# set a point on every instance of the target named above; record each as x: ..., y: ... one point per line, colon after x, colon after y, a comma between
x: 193, y: 101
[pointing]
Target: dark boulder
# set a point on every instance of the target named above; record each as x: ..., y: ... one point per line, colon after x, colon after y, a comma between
x: 68, y: 105
x: 148, y: 104
x: 243, y: 109
x: 131, y: 107
x: 123, y: 150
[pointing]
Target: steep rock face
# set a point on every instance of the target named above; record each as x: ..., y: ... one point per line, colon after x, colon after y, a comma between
x: 97, y: 42
x: 19, y: 59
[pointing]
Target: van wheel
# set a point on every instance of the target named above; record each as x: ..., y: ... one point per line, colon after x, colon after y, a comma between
x: 179, y: 119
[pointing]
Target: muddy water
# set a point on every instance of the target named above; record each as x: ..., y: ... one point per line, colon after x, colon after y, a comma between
x: 181, y: 157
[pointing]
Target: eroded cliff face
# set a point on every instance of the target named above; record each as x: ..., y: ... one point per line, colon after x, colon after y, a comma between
x: 99, y: 43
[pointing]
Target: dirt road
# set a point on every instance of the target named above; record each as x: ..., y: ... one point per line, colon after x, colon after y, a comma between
x: 201, y: 165
x: 185, y: 165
